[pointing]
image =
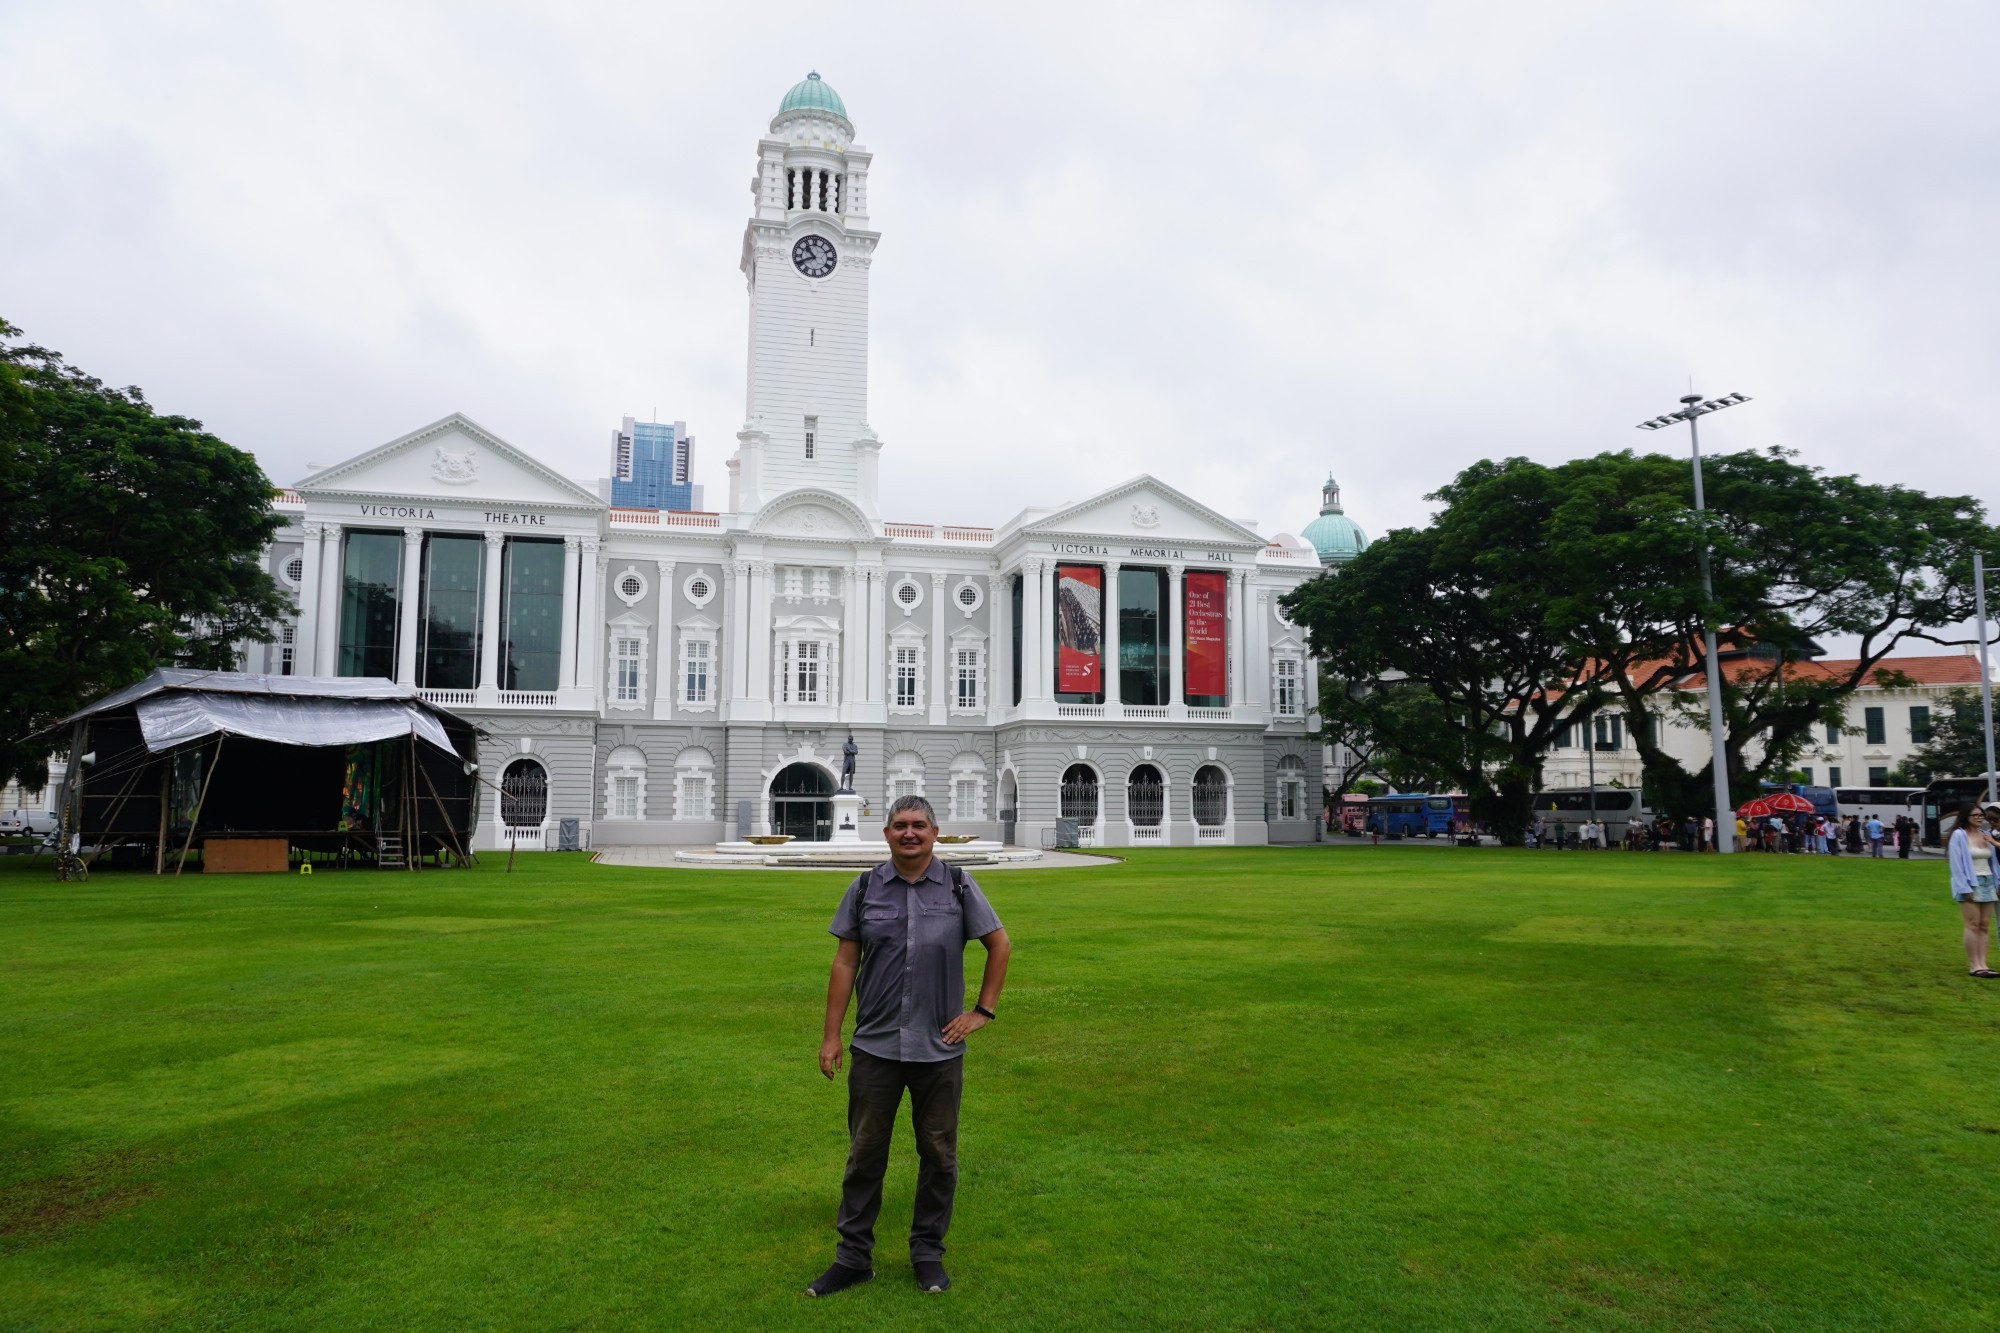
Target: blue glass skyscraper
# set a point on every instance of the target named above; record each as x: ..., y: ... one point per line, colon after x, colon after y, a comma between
x: 652, y: 466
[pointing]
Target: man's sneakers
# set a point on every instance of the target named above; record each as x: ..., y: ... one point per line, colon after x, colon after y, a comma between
x: 839, y: 1278
x: 931, y: 1277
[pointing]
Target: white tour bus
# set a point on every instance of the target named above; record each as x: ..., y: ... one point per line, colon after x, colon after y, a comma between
x: 1883, y: 803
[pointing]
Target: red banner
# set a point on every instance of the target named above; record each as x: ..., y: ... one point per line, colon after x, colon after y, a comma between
x: 1079, y: 629
x: 1206, y: 626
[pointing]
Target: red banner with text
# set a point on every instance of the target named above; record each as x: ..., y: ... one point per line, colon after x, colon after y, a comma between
x: 1079, y: 629
x: 1206, y: 626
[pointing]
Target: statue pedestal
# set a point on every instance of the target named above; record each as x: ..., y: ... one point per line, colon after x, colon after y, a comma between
x: 846, y: 817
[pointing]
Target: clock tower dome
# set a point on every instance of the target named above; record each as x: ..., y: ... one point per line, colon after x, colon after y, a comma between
x: 806, y: 252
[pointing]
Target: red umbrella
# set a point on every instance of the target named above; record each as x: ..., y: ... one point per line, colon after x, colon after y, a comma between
x: 1789, y: 803
x: 1756, y: 809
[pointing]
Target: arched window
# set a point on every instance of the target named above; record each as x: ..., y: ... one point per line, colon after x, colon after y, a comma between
x: 1079, y: 794
x: 524, y: 794
x: 1145, y: 797
x: 625, y: 783
x: 1291, y: 787
x: 1211, y: 796
x: 694, y: 783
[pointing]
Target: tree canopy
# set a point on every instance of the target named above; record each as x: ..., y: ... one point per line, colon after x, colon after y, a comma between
x: 128, y: 540
x: 1541, y: 594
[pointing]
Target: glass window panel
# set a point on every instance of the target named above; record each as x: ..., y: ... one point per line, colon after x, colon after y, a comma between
x: 533, y: 614
x: 1142, y: 643
x: 1878, y: 731
x: 453, y: 602
x: 370, y: 574
x: 1019, y: 595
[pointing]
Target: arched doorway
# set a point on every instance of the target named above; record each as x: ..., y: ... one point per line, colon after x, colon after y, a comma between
x: 1146, y: 798
x: 802, y: 803
x: 524, y: 797
x: 1079, y: 794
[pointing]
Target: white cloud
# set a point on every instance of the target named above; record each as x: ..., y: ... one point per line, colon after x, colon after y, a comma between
x: 1234, y: 246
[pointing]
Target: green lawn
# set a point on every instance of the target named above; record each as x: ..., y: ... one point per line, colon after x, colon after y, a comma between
x: 1367, y: 1088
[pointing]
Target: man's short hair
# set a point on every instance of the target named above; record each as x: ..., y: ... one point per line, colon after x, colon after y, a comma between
x: 902, y: 803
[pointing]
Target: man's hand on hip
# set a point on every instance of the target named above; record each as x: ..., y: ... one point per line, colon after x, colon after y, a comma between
x: 829, y: 1056
x: 964, y: 1026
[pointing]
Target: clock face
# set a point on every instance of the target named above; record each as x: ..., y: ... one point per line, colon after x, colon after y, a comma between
x: 814, y: 256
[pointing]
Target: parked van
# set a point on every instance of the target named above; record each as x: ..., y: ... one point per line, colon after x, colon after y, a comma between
x: 27, y: 823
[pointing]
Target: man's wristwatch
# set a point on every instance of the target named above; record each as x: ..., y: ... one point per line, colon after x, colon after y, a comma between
x: 982, y: 1009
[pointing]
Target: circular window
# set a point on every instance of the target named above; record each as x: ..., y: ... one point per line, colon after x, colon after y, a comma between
x: 294, y: 570
x: 969, y: 596
x: 699, y: 588
x: 630, y: 585
x: 908, y: 594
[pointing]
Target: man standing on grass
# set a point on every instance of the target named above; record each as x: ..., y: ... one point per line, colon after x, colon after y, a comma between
x: 903, y: 927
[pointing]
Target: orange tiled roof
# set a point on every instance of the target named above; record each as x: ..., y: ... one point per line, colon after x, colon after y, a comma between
x: 1938, y: 669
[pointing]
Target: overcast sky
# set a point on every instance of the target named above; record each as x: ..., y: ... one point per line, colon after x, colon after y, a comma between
x: 1236, y: 246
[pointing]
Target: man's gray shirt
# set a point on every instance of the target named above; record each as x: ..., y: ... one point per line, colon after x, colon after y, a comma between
x: 912, y: 976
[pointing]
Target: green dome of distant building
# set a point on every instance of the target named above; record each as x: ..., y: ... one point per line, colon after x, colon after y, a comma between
x: 812, y: 93
x: 1336, y: 537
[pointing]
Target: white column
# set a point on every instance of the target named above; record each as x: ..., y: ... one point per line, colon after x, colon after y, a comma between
x: 489, y: 635
x: 1239, y: 639
x: 878, y: 632
x: 1110, y: 641
x: 760, y: 630
x: 305, y: 640
x: 409, y: 596
x: 1260, y: 648
x: 1033, y: 631
x: 572, y: 607
x: 940, y: 708
x: 999, y: 653
x: 735, y: 596
x: 328, y: 661
x: 1176, y: 666
x: 664, y: 668
x: 853, y: 643
x: 590, y: 627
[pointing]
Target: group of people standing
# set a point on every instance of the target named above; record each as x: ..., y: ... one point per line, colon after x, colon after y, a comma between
x: 1637, y: 835
x: 1826, y: 835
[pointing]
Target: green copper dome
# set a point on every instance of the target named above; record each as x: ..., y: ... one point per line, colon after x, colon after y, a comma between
x: 1336, y: 537
x: 812, y: 93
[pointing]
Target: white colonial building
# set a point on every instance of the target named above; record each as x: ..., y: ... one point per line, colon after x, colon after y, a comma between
x: 681, y: 677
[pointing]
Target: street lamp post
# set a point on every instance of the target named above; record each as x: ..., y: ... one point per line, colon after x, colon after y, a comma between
x: 1985, y: 672
x: 1693, y: 406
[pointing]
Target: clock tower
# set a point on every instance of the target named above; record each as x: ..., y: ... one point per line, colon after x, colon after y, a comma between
x: 806, y: 252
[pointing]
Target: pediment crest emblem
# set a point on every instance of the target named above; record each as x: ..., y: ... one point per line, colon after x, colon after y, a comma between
x: 455, y: 467
x: 1145, y: 515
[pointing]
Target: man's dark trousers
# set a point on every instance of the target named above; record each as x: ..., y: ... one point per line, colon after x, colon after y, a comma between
x: 874, y: 1092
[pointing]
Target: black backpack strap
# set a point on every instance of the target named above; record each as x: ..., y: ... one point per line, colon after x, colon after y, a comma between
x: 957, y: 882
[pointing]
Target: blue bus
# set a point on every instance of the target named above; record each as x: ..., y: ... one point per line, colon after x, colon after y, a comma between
x: 1410, y: 814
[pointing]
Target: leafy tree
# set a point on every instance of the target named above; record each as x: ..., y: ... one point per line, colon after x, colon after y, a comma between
x: 1387, y: 729
x: 1539, y: 595
x: 128, y: 540
x: 1957, y: 747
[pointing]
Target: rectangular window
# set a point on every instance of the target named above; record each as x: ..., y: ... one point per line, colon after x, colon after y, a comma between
x: 532, y: 613
x: 1805, y: 775
x: 627, y: 652
x: 967, y: 695
x: 287, y: 643
x: 805, y: 663
x: 965, y: 798
x: 1285, y: 699
x: 1289, y: 798
x: 449, y: 617
x: 1833, y: 777
x: 907, y: 680
x: 812, y: 435
x: 1019, y: 596
x: 1833, y: 733
x: 1610, y: 732
x: 1565, y: 736
x: 371, y: 574
x: 625, y: 798
x: 694, y: 796
x: 1142, y: 636
x: 697, y: 651
x: 1878, y: 777
x: 1878, y: 730
x: 901, y: 787
x: 1920, y: 724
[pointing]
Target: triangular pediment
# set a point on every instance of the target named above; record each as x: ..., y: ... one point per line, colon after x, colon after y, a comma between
x: 1145, y: 509
x: 452, y: 459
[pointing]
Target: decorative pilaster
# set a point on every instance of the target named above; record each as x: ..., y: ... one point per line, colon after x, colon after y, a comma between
x: 305, y: 642
x: 1239, y: 638
x: 999, y: 651
x: 1260, y: 648
x: 736, y: 600
x: 1034, y: 632
x: 663, y: 646
x: 760, y: 630
x: 567, y: 665
x: 1176, y: 666
x: 328, y: 661
x: 407, y: 604
x: 853, y: 643
x: 941, y: 665
x: 590, y: 631
x: 878, y: 631
x: 489, y: 615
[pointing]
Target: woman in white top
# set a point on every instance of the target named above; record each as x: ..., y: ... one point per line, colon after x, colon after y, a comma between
x: 1975, y: 884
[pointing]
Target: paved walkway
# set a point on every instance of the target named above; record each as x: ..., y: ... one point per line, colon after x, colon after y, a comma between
x: 662, y: 858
